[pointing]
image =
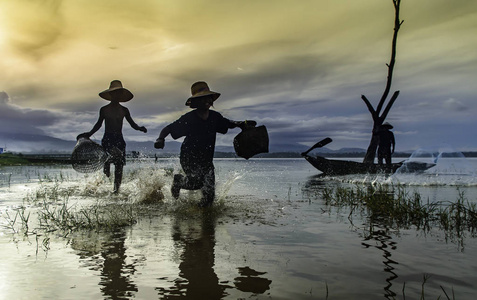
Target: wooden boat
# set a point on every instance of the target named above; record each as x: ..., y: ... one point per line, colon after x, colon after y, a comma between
x: 345, y: 167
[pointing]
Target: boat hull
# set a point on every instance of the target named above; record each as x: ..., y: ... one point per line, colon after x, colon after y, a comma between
x: 345, y: 167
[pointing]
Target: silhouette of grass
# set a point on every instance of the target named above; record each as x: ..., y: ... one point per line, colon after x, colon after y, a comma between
x: 397, y: 208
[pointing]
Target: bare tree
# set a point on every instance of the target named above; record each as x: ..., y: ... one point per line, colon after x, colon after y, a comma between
x: 378, y: 119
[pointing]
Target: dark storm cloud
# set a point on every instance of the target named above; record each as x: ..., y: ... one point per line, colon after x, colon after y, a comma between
x: 14, y: 119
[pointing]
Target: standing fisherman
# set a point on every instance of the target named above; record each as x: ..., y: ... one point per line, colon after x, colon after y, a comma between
x: 113, y: 142
x: 386, y: 144
x: 197, y: 151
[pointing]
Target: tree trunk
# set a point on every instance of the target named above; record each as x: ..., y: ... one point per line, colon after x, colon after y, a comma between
x: 377, y: 119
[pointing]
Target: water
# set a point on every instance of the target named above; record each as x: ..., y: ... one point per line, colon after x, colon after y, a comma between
x: 269, y: 236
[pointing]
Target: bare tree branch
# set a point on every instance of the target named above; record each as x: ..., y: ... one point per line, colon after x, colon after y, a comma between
x: 377, y: 119
x: 369, y: 105
x: 397, y: 25
x: 388, y: 107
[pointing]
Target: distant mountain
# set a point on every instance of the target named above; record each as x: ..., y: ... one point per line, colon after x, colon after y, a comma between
x: 35, y: 143
x: 30, y: 143
x: 348, y: 150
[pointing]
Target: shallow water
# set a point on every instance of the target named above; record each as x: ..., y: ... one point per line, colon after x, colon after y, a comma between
x: 269, y: 236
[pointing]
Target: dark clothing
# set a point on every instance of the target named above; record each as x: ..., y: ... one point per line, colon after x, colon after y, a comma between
x: 197, y: 150
x: 199, y: 142
x: 386, y: 142
x: 112, y: 142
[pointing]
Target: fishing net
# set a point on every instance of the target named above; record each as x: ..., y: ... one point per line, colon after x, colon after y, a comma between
x: 88, y: 156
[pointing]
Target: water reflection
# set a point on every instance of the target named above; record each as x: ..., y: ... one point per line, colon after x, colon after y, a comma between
x: 193, y: 236
x: 376, y: 235
x: 106, y: 253
x: 196, y: 239
x: 384, y: 243
x: 115, y: 275
x: 250, y: 282
x: 197, y: 279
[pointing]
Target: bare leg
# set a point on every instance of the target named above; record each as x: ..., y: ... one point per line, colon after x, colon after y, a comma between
x: 118, y: 176
x: 107, y: 168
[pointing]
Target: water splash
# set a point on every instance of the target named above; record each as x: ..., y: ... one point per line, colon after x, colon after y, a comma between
x: 447, y: 167
x: 146, y: 185
x: 224, y: 188
x: 450, y: 168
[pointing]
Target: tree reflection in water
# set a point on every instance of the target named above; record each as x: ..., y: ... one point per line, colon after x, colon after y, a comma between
x: 313, y: 189
x: 385, y: 244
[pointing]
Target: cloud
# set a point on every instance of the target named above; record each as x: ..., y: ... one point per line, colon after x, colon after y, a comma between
x: 14, y: 119
x: 33, y: 26
x: 455, y: 105
x: 4, y: 99
x: 299, y: 69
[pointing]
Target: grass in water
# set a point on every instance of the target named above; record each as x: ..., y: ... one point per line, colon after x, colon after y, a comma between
x: 67, y: 218
x: 397, y: 208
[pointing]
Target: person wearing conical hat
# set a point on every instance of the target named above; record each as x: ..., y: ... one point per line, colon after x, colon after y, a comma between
x: 386, y: 143
x: 113, y: 115
x: 199, y: 127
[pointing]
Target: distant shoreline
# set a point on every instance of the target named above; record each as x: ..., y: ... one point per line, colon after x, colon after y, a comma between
x: 15, y: 159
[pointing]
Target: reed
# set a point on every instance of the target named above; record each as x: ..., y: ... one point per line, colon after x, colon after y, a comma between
x: 395, y: 207
x: 21, y: 218
x: 67, y: 218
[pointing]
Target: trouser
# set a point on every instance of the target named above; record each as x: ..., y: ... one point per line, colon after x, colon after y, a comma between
x: 384, y: 155
x: 199, y: 176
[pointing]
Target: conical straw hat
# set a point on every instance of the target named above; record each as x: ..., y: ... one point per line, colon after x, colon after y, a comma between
x: 123, y: 94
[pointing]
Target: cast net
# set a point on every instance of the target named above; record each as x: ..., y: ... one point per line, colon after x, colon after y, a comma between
x: 88, y: 156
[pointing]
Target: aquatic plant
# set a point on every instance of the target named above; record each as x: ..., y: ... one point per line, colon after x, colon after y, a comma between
x: 21, y: 216
x: 99, y: 216
x: 458, y: 217
x: 397, y: 208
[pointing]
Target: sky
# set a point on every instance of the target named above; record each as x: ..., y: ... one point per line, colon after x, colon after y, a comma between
x: 297, y: 67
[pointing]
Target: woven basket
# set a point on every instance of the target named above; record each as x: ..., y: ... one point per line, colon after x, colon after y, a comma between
x: 88, y: 156
x: 251, y: 141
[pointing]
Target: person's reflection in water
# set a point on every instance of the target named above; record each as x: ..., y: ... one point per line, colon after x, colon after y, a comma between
x: 197, y: 259
x: 115, y: 273
x: 106, y: 253
x: 197, y: 239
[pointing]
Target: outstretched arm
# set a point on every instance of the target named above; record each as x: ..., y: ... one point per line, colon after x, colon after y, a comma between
x: 96, y: 126
x: 242, y: 124
x: 132, y: 123
x: 160, y: 142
